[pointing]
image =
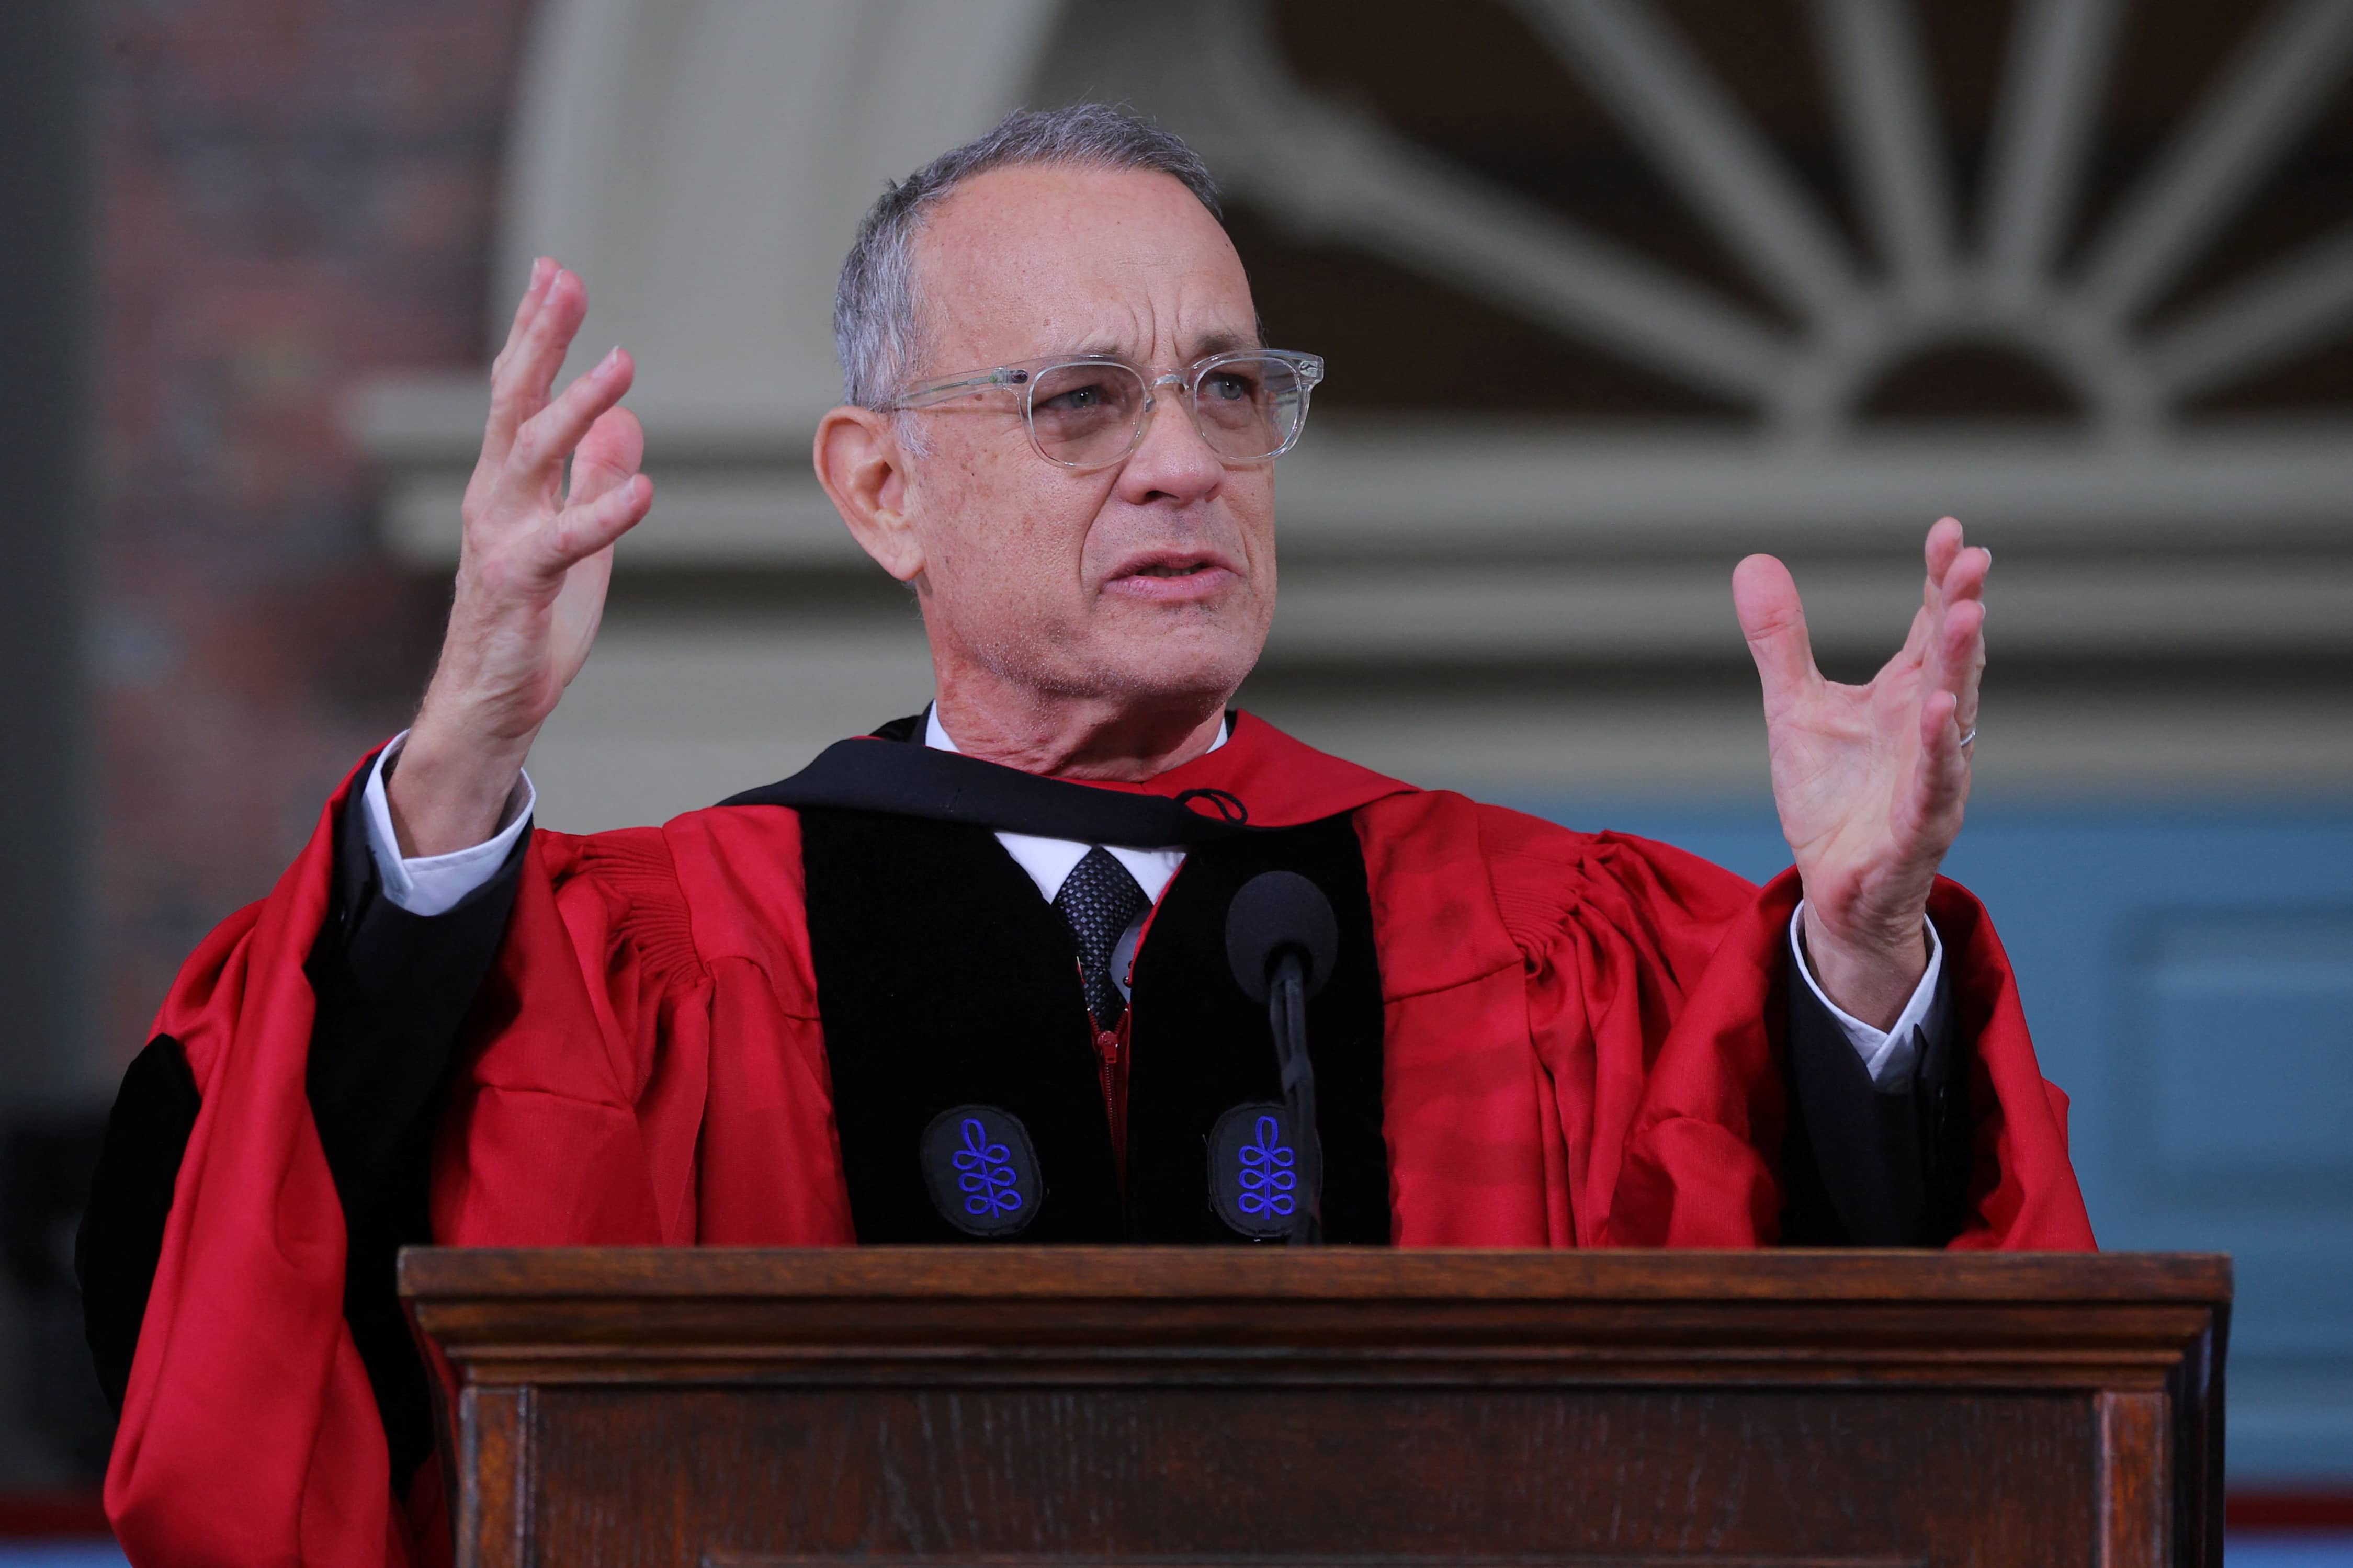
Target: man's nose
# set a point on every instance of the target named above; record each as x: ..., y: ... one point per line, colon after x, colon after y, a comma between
x: 1173, y: 462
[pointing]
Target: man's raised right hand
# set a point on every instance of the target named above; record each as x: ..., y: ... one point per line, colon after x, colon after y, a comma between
x: 531, y: 570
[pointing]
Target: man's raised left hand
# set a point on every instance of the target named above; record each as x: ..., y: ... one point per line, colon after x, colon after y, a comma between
x: 1871, y: 781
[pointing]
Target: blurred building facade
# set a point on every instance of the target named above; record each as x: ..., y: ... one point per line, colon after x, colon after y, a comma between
x: 1613, y: 293
x: 282, y: 201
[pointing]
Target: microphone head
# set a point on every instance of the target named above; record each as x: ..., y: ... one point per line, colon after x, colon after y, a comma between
x: 1275, y: 911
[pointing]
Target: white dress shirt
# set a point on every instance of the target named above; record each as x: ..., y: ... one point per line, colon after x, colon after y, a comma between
x: 1049, y: 860
x: 434, y: 884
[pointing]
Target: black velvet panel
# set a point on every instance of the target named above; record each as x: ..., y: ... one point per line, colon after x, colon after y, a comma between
x: 1201, y: 1046
x: 122, y: 1235
x: 946, y: 980
x: 1947, y: 1129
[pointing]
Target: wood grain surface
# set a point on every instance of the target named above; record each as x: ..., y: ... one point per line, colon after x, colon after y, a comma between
x: 1134, y: 1406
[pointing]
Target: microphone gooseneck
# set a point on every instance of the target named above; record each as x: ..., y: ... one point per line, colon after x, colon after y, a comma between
x: 1283, y: 940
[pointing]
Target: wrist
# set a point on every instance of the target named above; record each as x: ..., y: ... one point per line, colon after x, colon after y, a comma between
x: 446, y: 794
x: 1869, y: 977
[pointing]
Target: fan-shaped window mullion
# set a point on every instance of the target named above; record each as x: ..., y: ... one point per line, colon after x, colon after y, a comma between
x: 1728, y: 173
x: 2280, y: 79
x: 2060, y: 55
x: 1335, y: 172
x: 1342, y: 174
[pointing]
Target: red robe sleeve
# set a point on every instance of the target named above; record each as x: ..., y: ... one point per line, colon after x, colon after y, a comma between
x: 1584, y: 1035
x: 1698, y: 1171
x: 249, y: 1433
x: 652, y: 1068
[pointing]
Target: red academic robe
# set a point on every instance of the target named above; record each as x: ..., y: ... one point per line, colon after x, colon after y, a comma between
x: 1579, y: 1046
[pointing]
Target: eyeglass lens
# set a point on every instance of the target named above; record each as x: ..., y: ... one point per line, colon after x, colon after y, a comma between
x: 1093, y: 413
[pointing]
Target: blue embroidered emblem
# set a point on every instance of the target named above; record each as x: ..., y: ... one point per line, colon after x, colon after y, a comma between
x: 990, y: 1186
x: 981, y: 1170
x: 1254, y: 1170
x: 1268, y: 1180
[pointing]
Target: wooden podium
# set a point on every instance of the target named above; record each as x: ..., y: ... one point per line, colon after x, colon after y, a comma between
x: 1180, y: 1407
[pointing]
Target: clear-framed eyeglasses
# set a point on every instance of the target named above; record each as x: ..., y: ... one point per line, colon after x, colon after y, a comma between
x: 1090, y: 410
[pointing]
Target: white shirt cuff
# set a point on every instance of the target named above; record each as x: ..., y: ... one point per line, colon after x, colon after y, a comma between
x: 435, y: 884
x: 1888, y: 1056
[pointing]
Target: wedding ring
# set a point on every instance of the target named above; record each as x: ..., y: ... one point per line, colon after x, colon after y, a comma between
x: 1970, y: 739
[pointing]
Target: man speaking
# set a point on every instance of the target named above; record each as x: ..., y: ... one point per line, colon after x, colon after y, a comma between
x: 981, y: 977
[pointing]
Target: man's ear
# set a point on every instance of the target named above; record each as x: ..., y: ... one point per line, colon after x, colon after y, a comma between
x: 862, y: 467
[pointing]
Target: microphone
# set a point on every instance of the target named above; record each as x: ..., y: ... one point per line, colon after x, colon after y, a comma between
x: 1283, y: 940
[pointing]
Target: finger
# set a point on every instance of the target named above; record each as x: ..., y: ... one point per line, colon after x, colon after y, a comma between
x: 550, y: 435
x: 1773, y: 619
x: 519, y: 387
x: 1965, y: 655
x: 1958, y: 639
x: 1944, y: 542
x: 1963, y: 582
x: 614, y: 449
x: 1965, y: 578
x: 543, y: 273
x: 580, y: 531
x: 1955, y: 573
x: 1955, y: 658
x: 1941, y: 783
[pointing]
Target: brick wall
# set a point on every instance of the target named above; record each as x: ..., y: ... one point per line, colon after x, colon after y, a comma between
x: 293, y: 195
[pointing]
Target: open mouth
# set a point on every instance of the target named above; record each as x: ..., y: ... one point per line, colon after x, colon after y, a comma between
x: 1172, y: 577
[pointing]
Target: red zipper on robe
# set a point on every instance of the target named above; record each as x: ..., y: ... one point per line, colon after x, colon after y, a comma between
x: 1110, y: 1054
x: 1112, y: 1045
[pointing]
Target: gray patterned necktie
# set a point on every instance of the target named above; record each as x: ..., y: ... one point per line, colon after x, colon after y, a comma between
x: 1100, y: 899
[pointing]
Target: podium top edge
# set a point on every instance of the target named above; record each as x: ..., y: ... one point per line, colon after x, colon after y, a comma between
x: 1201, y: 1274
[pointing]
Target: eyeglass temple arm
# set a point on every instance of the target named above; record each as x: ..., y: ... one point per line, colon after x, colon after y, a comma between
x: 938, y: 390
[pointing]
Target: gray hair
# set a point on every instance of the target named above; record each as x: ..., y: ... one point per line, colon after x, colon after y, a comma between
x: 877, y: 331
